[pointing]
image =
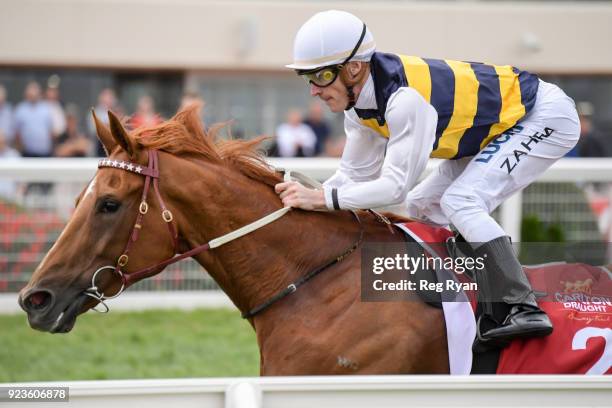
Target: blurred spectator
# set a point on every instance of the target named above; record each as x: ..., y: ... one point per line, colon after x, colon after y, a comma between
x: 106, y: 101
x: 8, y: 188
x: 34, y: 124
x: 72, y: 143
x: 591, y: 143
x: 145, y: 113
x: 294, y: 138
x: 319, y: 126
x: 6, y: 116
x: 52, y: 98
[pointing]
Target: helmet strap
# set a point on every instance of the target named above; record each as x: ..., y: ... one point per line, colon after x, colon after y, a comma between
x: 351, y: 98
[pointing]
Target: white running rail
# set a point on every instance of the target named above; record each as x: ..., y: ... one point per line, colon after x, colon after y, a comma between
x: 76, y: 169
x: 341, y: 392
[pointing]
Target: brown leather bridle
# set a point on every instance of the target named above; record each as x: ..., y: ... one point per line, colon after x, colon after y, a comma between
x: 151, y: 174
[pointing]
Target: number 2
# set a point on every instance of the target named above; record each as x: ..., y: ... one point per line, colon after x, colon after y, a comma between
x: 579, y: 343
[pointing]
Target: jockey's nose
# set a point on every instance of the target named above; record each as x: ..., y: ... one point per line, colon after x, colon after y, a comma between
x: 314, y: 90
x: 36, y: 301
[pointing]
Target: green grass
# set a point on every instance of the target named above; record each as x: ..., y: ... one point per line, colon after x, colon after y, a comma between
x: 151, y: 344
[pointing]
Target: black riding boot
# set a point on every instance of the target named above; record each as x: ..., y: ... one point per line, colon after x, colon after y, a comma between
x: 507, y: 297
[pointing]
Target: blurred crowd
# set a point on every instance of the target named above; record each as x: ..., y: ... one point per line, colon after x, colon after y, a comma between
x: 42, y: 125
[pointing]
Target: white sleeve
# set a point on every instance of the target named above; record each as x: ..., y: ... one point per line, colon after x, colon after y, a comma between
x: 362, y: 156
x: 412, y: 128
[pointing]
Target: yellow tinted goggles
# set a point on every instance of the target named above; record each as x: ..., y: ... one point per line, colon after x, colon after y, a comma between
x: 323, y: 77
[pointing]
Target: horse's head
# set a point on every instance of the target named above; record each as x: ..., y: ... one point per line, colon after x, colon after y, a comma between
x: 121, y: 232
x: 96, y: 236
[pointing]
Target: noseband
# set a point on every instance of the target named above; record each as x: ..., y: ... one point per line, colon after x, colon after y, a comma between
x: 151, y: 174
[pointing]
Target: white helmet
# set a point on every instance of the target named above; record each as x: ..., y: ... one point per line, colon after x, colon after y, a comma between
x: 329, y: 38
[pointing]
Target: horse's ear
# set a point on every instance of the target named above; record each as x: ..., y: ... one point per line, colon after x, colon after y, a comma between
x: 104, y: 134
x: 120, y: 135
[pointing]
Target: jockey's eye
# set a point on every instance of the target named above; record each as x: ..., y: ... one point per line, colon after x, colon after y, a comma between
x: 108, y: 205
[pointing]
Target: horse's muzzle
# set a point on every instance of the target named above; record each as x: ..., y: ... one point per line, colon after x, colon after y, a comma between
x: 46, y: 314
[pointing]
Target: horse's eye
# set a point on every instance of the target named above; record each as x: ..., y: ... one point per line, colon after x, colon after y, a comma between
x: 108, y: 206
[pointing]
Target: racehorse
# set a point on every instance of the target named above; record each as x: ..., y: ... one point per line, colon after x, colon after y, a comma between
x: 211, y: 189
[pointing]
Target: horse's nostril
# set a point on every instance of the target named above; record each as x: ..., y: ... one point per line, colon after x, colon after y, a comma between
x: 38, y: 300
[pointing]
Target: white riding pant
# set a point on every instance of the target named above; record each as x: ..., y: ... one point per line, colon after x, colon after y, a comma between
x: 464, y: 192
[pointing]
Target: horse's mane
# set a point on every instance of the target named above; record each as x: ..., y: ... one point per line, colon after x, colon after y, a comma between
x: 185, y: 134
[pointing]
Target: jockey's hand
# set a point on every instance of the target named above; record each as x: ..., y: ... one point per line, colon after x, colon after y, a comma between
x: 295, y: 195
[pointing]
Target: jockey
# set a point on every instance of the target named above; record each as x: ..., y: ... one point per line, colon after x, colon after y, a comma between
x: 498, y: 127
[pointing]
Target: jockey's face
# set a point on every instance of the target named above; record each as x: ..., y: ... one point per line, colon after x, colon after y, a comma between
x: 335, y: 95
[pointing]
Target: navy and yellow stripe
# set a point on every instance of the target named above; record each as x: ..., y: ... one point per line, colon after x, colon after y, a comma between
x: 475, y: 102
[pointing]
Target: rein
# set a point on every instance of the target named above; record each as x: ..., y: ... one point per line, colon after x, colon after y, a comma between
x: 151, y: 174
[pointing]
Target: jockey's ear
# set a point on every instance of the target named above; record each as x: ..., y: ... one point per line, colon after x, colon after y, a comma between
x: 104, y: 134
x: 355, y: 73
x: 120, y: 135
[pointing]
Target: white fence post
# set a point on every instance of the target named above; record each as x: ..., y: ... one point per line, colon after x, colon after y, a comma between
x: 243, y: 395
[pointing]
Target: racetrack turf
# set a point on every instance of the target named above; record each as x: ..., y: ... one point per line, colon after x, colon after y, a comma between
x: 120, y: 345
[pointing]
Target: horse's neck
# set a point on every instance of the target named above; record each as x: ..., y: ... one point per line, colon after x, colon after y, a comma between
x: 254, y: 267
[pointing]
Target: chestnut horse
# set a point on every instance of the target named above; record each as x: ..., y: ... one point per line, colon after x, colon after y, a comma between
x: 212, y: 189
